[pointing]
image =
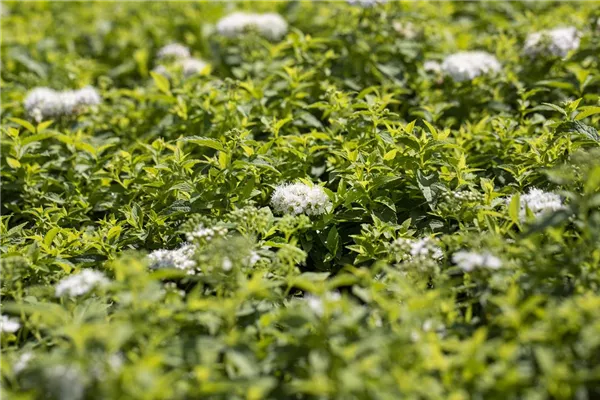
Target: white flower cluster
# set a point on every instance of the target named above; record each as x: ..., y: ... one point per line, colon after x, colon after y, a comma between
x: 206, y: 234
x: 556, y: 42
x: 464, y: 196
x: 539, y: 202
x: 8, y: 324
x: 43, y: 102
x: 467, y: 65
x: 192, y: 66
x: 181, y: 258
x: 65, y: 382
x: 407, y: 30
x: 269, y: 25
x: 365, y: 3
x: 173, y: 51
x: 22, y: 362
x: 253, y: 258
x: 315, y: 303
x: 81, y: 283
x: 161, y: 70
x: 183, y: 59
x: 226, y: 264
x: 420, y: 250
x: 469, y: 260
x: 432, y: 66
x: 298, y: 198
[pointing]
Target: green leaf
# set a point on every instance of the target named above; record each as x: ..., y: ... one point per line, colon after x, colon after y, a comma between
x: 549, y: 220
x: 579, y: 128
x: 514, y: 208
x: 333, y: 240
x: 114, y: 232
x: 13, y: 163
x: 431, y: 129
x: 410, y: 126
x: 390, y: 154
x: 586, y: 112
x: 25, y: 124
x: 203, y: 141
x: 430, y: 187
x: 161, y: 82
x: 552, y: 107
x: 36, y: 138
x: 43, y: 125
x: 51, y: 235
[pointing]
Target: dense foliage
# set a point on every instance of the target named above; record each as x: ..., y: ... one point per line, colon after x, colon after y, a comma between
x: 330, y: 210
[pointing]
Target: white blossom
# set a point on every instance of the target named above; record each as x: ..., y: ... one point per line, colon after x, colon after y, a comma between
x: 173, y: 51
x: 115, y: 361
x: 420, y: 250
x: 408, y: 30
x: 270, y: 25
x: 43, y: 102
x: 81, y: 283
x: 365, y: 3
x: 161, y: 70
x: 315, y: 303
x: 206, y: 234
x: 539, y: 202
x: 68, y: 102
x: 226, y: 264
x: 88, y: 96
x: 22, y: 362
x: 181, y: 258
x: 432, y: 66
x: 467, y: 65
x: 254, y: 258
x: 469, y: 260
x: 556, y: 42
x: 192, y: 66
x: 65, y: 382
x: 9, y: 325
x: 298, y: 198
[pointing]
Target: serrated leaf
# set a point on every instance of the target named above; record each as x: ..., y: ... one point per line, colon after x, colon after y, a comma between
x: 429, y: 187
x: 203, y: 141
x: 552, y: 107
x: 36, y: 138
x: 580, y: 128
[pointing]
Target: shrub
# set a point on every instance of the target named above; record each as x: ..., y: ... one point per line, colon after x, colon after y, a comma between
x: 321, y: 211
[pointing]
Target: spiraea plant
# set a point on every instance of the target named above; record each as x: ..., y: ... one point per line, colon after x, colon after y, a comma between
x: 300, y: 200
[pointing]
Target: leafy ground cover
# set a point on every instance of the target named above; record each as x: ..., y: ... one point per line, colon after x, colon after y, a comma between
x: 311, y: 200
